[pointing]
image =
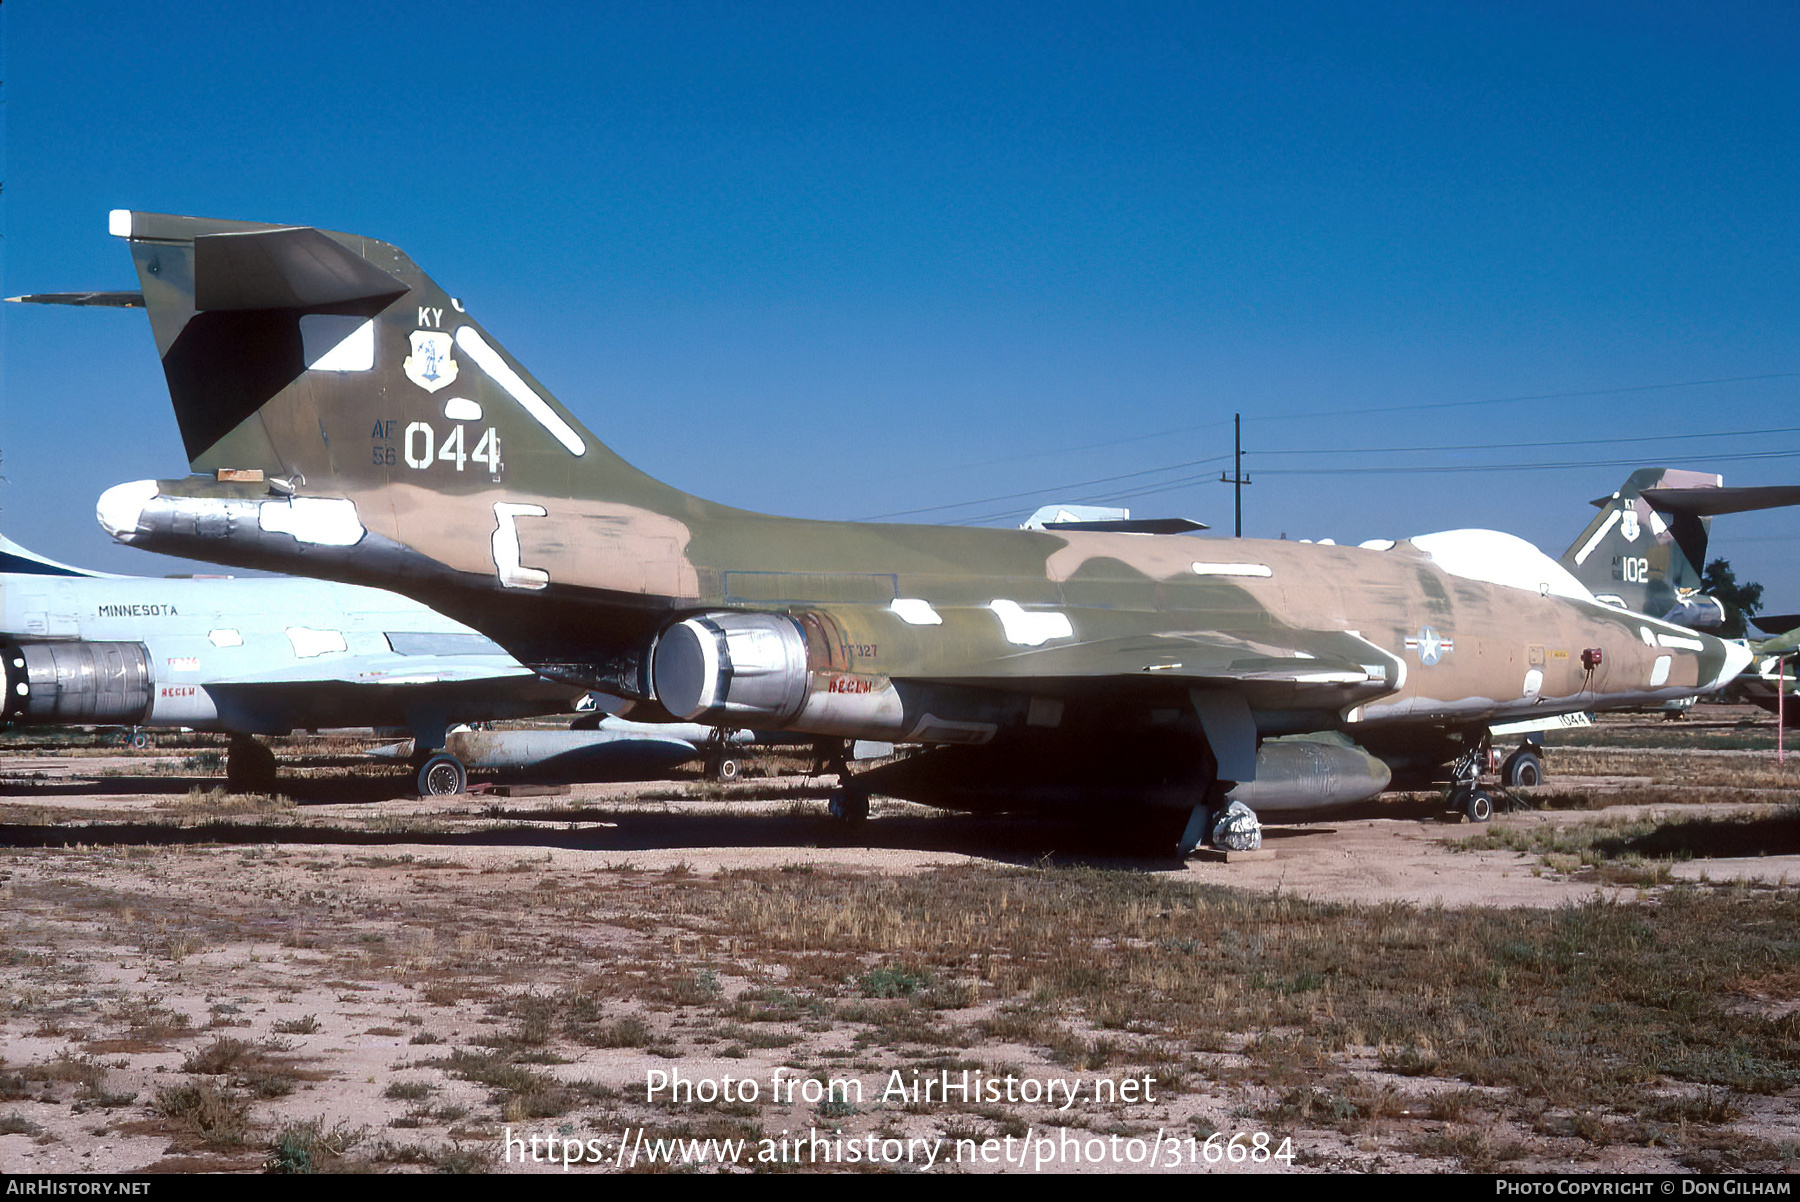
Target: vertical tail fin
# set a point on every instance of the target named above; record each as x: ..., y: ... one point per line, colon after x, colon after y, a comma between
x: 1646, y: 550
x: 332, y: 359
x: 1637, y: 556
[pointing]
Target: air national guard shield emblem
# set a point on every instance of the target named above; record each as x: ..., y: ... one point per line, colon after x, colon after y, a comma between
x: 1628, y: 526
x: 430, y: 365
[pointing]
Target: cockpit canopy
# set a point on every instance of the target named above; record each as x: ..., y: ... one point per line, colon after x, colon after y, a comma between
x: 1498, y: 558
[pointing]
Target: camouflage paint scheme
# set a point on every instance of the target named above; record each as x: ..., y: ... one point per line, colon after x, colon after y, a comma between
x: 1644, y: 552
x: 1645, y: 549
x: 1079, y: 668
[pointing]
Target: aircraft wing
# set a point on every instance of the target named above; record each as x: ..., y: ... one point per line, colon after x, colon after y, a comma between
x: 1321, y: 671
x: 106, y: 300
x: 386, y: 671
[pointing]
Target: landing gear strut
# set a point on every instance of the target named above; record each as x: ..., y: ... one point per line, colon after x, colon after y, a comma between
x: 721, y: 763
x: 249, y: 766
x: 1466, y: 793
x: 849, y: 804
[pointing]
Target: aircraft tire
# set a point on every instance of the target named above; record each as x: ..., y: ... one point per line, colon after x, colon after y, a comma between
x: 1522, y: 770
x: 1478, y: 805
x: 849, y: 805
x: 443, y: 775
x: 728, y: 769
x: 249, y: 766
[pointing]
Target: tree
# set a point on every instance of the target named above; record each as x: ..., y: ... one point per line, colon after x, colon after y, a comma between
x: 1742, y: 601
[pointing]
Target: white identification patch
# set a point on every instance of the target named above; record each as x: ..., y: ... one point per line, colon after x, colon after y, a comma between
x: 1737, y: 658
x: 430, y: 366
x: 331, y: 342
x: 321, y: 521
x: 1676, y: 640
x: 514, y: 574
x: 488, y: 359
x: 1644, y: 633
x: 1027, y: 629
x: 308, y: 642
x: 1534, y: 684
x: 1232, y: 569
x: 1659, y: 671
x: 225, y: 638
x: 915, y: 611
x: 462, y: 409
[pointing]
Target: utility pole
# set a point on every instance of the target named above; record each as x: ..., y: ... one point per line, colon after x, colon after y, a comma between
x: 1237, y: 478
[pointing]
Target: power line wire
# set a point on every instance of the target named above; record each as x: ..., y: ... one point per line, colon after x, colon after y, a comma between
x: 1410, y: 469
x: 1540, y: 396
x: 1191, y: 481
x: 1554, y: 442
x: 1149, y: 471
x: 1624, y: 390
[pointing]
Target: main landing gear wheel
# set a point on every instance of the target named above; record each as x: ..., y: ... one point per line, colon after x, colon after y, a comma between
x: 442, y: 775
x: 849, y: 805
x: 1522, y: 770
x: 249, y: 766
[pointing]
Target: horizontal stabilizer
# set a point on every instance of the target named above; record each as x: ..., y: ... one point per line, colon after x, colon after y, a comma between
x: 1105, y: 519
x: 18, y: 561
x: 1132, y: 526
x: 1708, y: 502
x: 297, y: 268
x: 104, y: 300
x: 1773, y: 624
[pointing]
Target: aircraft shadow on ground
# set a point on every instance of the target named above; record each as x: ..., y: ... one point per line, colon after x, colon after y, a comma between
x: 1003, y: 840
x: 1007, y: 839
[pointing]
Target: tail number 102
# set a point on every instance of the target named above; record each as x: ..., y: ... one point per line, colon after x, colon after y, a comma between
x: 421, y: 449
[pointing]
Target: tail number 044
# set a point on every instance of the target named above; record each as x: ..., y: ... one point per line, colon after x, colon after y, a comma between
x: 421, y: 449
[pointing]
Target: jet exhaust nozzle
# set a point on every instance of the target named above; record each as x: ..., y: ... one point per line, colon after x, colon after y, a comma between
x: 741, y: 667
x: 77, y: 683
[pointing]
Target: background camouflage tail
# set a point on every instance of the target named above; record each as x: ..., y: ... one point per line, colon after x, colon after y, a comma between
x: 1646, y: 550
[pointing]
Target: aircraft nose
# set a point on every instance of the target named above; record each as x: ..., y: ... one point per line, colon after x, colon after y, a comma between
x: 122, y: 505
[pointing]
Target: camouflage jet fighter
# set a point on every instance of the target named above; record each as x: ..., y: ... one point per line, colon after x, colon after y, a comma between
x: 1770, y: 683
x: 347, y: 418
x: 249, y: 657
x: 1645, y: 549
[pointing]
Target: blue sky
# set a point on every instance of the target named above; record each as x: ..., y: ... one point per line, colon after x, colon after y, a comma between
x: 851, y: 260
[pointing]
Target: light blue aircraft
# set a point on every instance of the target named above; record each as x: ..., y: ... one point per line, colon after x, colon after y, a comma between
x: 250, y: 657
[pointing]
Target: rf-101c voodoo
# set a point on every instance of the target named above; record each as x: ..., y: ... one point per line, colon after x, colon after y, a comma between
x: 347, y: 418
x: 250, y: 657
